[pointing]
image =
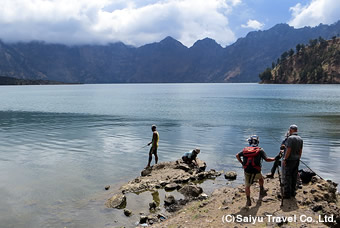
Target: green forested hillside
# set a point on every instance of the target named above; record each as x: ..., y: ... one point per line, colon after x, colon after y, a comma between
x: 316, y: 63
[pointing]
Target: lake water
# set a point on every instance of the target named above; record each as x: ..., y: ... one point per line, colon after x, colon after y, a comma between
x: 60, y: 145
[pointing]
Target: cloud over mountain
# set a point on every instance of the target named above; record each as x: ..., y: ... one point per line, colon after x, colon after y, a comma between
x: 102, y: 21
x: 314, y: 13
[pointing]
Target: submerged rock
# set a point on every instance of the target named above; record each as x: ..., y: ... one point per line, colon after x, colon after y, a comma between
x: 127, y: 212
x: 117, y: 201
x: 107, y: 187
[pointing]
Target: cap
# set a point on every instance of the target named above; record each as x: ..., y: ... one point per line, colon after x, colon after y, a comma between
x: 153, y: 126
x: 293, y: 127
x: 198, y: 150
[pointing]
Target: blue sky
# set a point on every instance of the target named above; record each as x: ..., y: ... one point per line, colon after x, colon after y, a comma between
x: 137, y: 22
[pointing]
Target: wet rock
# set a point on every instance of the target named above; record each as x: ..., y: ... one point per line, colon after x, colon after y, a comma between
x: 127, y: 212
x: 152, y: 206
x: 169, y: 200
x: 161, y: 217
x: 146, y: 172
x: 117, y: 201
x: 231, y: 175
x: 191, y: 190
x: 201, y: 165
x: 170, y: 187
x: 107, y: 187
x: 143, y: 219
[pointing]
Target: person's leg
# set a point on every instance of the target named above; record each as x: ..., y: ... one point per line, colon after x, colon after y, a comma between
x: 150, y: 157
x: 261, y: 183
x: 295, y: 168
x: 156, y: 156
x: 275, y: 165
x: 287, y: 180
x: 247, y: 180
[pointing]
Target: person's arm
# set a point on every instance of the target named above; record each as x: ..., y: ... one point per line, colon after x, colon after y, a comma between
x: 154, y: 140
x: 238, y: 158
x: 287, y: 155
x: 267, y: 159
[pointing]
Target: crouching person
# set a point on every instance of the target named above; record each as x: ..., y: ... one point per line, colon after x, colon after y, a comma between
x: 190, y: 157
x: 251, y: 162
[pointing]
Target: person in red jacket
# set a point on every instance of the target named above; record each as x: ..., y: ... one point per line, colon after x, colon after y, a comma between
x: 251, y: 163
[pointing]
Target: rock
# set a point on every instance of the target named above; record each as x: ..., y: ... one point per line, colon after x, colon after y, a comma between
x: 201, y: 165
x: 161, y: 217
x: 170, y: 187
x: 146, y: 172
x: 203, y: 196
x: 183, y: 166
x: 169, y: 200
x: 117, y: 201
x: 152, y: 206
x: 107, y: 187
x: 127, y: 212
x: 231, y: 175
x: 143, y: 219
x: 191, y: 190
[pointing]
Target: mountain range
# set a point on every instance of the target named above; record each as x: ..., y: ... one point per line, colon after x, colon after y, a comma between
x: 160, y: 62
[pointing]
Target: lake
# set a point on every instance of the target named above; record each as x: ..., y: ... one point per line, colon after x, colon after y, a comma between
x: 60, y: 145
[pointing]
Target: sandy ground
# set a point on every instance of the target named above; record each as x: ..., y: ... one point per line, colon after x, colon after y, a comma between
x: 313, y: 202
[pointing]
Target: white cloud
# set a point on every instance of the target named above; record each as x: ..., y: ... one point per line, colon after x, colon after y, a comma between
x: 253, y: 24
x: 314, y: 13
x: 131, y: 21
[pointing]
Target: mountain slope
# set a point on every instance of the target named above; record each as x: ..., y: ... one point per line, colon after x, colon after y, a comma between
x: 164, y: 61
x: 317, y: 63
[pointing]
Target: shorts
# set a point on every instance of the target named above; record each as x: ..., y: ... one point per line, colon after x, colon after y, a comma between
x: 153, y: 150
x: 250, y: 178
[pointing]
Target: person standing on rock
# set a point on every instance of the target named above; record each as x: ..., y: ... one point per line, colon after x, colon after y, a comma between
x: 252, y: 159
x: 291, y: 161
x: 154, y: 145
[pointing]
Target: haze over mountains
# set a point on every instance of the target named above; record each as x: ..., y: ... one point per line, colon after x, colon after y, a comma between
x: 165, y: 61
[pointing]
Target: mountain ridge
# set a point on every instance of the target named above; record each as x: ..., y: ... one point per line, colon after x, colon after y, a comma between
x: 165, y: 61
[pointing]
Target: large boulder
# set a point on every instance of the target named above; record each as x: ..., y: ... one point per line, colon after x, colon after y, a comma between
x: 117, y: 201
x: 191, y: 190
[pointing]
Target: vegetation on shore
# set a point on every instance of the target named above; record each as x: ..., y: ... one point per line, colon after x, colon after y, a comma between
x: 16, y: 81
x: 316, y: 63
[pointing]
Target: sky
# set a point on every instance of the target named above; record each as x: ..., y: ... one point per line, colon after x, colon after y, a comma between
x: 137, y: 22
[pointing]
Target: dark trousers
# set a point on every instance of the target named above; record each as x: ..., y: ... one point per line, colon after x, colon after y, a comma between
x: 276, y: 164
x: 290, y: 174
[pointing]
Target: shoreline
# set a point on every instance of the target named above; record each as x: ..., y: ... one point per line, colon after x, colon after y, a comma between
x: 182, y: 202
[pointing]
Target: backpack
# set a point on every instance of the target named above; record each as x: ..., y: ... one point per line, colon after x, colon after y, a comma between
x: 306, y: 175
x: 251, y: 153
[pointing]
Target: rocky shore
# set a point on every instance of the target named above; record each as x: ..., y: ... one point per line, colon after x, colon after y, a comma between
x: 186, y: 205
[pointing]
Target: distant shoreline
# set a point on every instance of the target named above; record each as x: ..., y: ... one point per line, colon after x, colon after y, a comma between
x: 8, y: 81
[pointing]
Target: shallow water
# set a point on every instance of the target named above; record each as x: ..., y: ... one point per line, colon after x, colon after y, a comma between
x: 60, y: 145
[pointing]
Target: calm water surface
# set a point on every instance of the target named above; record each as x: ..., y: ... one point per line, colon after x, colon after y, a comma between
x: 60, y: 145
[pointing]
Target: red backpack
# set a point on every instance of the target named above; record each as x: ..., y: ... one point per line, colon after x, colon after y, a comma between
x: 251, y: 153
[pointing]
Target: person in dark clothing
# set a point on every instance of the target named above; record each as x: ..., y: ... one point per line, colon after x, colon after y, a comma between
x: 278, y: 157
x: 252, y: 159
x: 291, y: 161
